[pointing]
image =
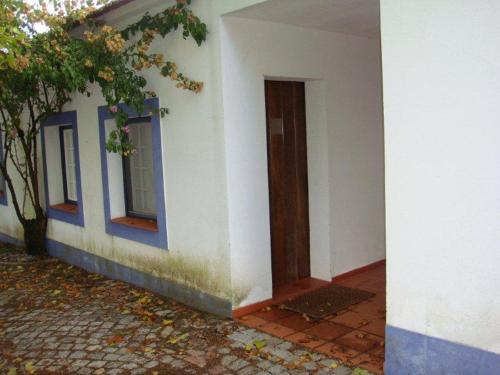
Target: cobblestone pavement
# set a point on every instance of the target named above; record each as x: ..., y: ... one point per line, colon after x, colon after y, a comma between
x: 55, y: 318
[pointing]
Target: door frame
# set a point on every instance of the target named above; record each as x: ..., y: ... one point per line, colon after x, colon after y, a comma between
x: 248, y: 188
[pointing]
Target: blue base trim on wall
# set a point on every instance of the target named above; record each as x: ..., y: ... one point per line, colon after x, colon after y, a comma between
x: 11, y: 240
x: 416, y: 354
x: 113, y: 270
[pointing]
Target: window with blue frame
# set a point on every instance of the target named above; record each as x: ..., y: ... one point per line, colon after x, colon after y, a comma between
x: 134, y: 201
x: 61, y: 168
x: 3, y: 185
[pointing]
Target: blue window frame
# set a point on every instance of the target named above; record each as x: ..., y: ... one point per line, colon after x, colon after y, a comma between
x: 3, y: 184
x: 62, y: 122
x: 156, y: 238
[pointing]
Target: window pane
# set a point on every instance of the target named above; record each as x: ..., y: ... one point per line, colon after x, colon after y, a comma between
x: 69, y: 157
x: 2, y: 182
x: 141, y: 170
x: 2, y: 179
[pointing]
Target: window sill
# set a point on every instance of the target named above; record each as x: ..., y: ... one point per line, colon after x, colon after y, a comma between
x: 134, y: 222
x: 66, y: 207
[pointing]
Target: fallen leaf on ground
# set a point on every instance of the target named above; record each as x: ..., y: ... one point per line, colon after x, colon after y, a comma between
x: 30, y: 368
x: 114, y: 340
x: 175, y: 340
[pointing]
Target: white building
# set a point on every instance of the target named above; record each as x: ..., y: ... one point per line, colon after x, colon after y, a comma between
x: 394, y: 155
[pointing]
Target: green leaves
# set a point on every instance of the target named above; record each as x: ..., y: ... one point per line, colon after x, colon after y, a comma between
x: 257, y: 344
x: 360, y: 371
x: 169, y: 20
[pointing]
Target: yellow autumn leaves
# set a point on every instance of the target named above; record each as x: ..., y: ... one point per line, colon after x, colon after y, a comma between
x: 107, y: 74
x: 114, y: 43
x: 112, y: 39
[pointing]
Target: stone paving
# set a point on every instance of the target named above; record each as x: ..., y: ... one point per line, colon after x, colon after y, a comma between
x: 58, y: 319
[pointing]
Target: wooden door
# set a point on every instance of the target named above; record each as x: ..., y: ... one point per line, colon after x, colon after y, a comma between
x: 287, y: 168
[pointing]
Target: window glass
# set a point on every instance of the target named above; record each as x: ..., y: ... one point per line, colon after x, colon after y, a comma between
x: 2, y: 183
x: 139, y: 178
x: 69, y: 166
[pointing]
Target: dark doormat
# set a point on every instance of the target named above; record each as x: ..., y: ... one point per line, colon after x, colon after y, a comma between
x: 326, y: 301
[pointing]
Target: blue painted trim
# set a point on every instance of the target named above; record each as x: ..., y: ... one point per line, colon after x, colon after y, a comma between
x: 159, y: 238
x: 5, y: 238
x: 94, y: 263
x: 164, y: 287
x: 64, y: 118
x: 3, y: 198
x: 416, y: 354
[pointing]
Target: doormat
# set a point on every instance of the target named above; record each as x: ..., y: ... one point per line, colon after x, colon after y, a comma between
x: 326, y: 301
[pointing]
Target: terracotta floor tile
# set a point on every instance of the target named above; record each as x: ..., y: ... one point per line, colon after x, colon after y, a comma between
x: 377, y: 327
x: 372, y: 361
x: 327, y: 330
x: 371, y: 308
x: 334, y: 315
x: 379, y: 299
x: 372, y: 286
x: 378, y: 352
x: 360, y: 341
x: 252, y: 321
x: 354, y: 335
x: 305, y: 340
x: 272, y: 314
x: 348, y: 283
x: 338, y: 351
x: 365, y: 362
x: 352, y: 319
x: 276, y: 330
x: 285, y: 292
x: 296, y: 322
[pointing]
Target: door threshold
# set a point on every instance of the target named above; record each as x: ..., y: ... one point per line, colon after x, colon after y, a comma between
x: 297, y: 288
x: 283, y: 293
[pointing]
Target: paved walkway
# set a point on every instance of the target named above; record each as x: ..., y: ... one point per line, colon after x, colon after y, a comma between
x: 354, y: 335
x: 55, y: 318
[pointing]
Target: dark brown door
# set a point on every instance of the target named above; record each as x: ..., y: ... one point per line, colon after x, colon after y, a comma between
x: 287, y: 166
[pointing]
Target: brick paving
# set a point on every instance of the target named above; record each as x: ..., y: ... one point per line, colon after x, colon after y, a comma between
x: 354, y: 335
x: 59, y: 319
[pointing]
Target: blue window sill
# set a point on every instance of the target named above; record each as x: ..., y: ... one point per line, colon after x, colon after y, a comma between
x: 62, y: 215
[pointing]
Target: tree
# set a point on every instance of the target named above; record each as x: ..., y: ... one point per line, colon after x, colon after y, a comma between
x: 11, y: 37
x: 42, y: 70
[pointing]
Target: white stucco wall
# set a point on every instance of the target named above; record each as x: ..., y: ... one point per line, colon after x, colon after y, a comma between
x: 345, y: 146
x: 214, y: 155
x: 9, y: 224
x: 442, y: 135
x: 193, y: 162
